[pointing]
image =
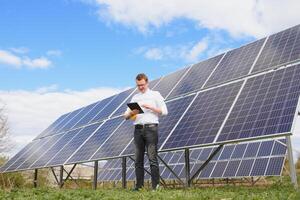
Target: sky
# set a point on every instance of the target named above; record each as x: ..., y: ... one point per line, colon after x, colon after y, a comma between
x: 59, y: 55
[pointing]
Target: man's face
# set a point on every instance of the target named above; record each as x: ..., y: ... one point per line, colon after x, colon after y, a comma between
x: 142, y: 85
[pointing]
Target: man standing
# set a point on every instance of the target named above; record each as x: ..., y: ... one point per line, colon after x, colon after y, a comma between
x: 146, y: 129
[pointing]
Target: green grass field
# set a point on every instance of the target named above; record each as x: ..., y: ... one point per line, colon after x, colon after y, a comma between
x: 273, y: 192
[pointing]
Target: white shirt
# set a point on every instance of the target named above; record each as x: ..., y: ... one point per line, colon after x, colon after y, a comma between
x: 153, y: 99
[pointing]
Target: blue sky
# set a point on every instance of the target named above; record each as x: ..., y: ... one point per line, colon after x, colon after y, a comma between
x: 59, y: 55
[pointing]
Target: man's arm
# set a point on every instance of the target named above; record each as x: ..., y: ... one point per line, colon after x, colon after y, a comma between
x: 161, y: 108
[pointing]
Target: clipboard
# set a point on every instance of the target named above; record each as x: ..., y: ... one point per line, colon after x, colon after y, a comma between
x: 135, y: 105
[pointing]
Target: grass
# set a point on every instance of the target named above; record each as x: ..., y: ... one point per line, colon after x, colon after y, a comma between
x: 276, y: 191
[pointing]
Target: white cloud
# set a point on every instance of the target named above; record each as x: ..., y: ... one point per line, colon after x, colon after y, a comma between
x: 20, y: 50
x: 249, y: 17
x: 191, y: 52
x: 41, y: 63
x: 30, y: 112
x: 54, y: 53
x: 10, y: 59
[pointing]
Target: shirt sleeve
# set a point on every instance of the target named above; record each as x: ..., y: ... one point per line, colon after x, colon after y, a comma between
x: 161, y: 104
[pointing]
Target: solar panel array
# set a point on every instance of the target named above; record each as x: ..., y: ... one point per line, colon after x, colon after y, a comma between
x: 226, y: 98
x: 264, y: 158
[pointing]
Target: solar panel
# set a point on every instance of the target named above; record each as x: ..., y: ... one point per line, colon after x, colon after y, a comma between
x: 196, y: 76
x: 203, y: 119
x: 113, y: 105
x: 116, y: 143
x: 27, y: 148
x: 51, y: 152
x: 266, y: 106
x: 69, y: 118
x: 280, y: 48
x: 175, y: 108
x: 236, y: 63
x: 226, y: 165
x: 85, y: 111
x: 73, y: 145
x: 35, y: 147
x: 34, y: 156
x: 95, y: 112
x: 93, y: 143
x: 169, y: 81
x: 50, y: 128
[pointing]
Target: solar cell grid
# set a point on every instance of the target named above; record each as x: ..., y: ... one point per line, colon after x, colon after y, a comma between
x: 73, y: 145
x: 271, y: 108
x: 195, y: 77
x: 51, y: 152
x: 236, y: 63
x: 169, y: 81
x: 94, y: 142
x: 37, y: 154
x: 116, y: 143
x: 203, y: 119
x: 280, y: 48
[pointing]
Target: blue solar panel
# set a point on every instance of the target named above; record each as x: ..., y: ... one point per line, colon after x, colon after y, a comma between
x: 68, y: 119
x: 167, y: 123
x: 50, y: 128
x: 35, y: 147
x: 196, y: 77
x: 280, y: 48
x: 266, y: 105
x: 204, y: 118
x: 94, y: 142
x: 236, y: 63
x: 275, y: 166
x: 259, y: 167
x: 51, y: 152
x: 232, y: 168
x: 168, y: 82
x: 245, y: 168
x: 95, y: 112
x: 27, y: 148
x: 73, y: 145
x: 117, y: 142
x: 113, y: 105
x: 219, y: 169
x: 72, y: 123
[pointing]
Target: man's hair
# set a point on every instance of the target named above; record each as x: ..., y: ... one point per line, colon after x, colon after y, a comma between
x: 142, y: 76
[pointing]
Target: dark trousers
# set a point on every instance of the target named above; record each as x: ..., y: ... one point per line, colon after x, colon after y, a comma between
x: 146, y: 139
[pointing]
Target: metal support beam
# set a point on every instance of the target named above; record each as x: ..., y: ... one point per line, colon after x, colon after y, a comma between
x: 206, y: 162
x: 161, y: 180
x: 187, y: 167
x: 69, y: 175
x: 171, y: 170
x: 124, y: 172
x: 54, y: 176
x: 61, y: 177
x: 291, y: 162
x: 35, y: 178
x: 95, y: 181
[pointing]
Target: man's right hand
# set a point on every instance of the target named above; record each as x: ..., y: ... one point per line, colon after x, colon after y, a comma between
x: 132, y: 114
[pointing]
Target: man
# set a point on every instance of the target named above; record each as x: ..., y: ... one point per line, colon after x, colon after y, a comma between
x: 146, y: 129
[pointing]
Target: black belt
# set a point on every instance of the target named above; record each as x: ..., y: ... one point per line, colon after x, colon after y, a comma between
x: 141, y: 126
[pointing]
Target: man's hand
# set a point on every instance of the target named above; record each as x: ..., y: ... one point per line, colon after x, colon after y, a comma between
x: 155, y: 110
x: 132, y: 114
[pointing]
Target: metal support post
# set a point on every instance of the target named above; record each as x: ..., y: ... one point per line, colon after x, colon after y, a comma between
x: 291, y: 162
x: 95, y: 181
x: 187, y: 167
x: 124, y: 172
x: 35, y: 178
x: 61, y: 177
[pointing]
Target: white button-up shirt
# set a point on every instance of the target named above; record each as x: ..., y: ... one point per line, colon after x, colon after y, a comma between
x: 153, y: 99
